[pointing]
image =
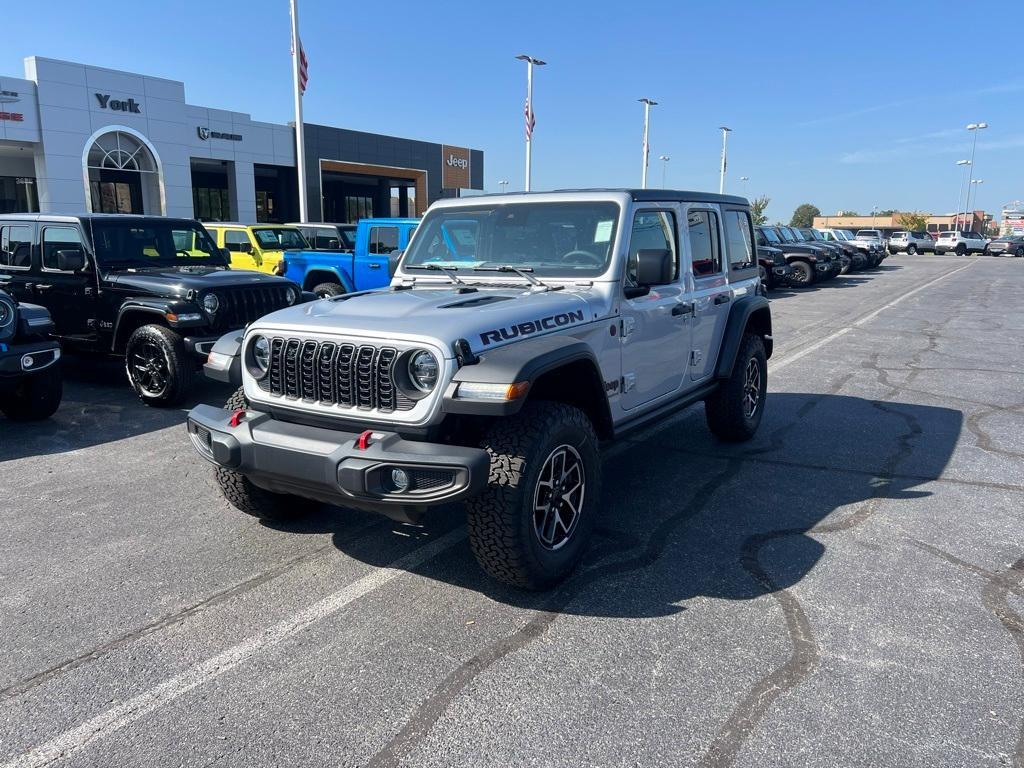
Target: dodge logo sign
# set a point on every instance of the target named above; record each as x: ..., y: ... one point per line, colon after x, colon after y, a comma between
x: 205, y: 133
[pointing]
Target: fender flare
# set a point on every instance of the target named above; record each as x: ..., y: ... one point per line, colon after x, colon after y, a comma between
x: 513, y: 363
x: 159, y: 307
x: 346, y: 281
x: 744, y: 310
x: 227, y: 351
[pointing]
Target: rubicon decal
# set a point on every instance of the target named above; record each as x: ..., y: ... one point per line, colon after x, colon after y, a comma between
x: 532, y: 326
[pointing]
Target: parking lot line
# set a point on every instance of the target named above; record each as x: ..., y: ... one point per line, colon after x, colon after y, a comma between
x: 776, y: 366
x: 139, y: 706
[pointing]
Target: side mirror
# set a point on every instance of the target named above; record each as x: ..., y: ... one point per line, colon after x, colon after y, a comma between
x: 70, y: 260
x: 245, y: 247
x: 225, y: 253
x: 647, y: 267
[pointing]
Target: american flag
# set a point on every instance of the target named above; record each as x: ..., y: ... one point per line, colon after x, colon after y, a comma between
x: 303, y: 67
x: 531, y: 119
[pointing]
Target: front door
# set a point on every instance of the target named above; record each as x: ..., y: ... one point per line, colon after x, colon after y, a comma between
x: 16, y: 240
x: 242, y: 248
x: 655, y: 329
x: 711, y: 295
x: 372, y: 266
x: 70, y: 296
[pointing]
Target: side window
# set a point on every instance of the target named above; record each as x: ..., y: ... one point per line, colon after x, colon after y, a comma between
x: 16, y: 246
x: 234, y: 239
x: 59, y: 239
x: 738, y: 238
x: 324, y: 241
x: 652, y: 230
x: 383, y: 239
x: 704, y: 246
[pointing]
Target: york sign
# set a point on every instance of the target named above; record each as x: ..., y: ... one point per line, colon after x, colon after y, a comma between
x: 131, y: 105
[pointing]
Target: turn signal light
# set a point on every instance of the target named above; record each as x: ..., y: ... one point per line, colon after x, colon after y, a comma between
x: 470, y: 390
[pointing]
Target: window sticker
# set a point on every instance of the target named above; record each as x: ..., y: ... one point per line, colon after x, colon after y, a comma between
x: 603, y: 232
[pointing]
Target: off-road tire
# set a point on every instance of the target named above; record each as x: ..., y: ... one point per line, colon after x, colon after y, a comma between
x: 180, y: 366
x: 502, y: 532
x: 36, y: 397
x: 763, y: 274
x: 325, y: 290
x: 1019, y: 252
x: 251, y: 499
x: 803, y: 274
x: 911, y: 249
x: 724, y: 409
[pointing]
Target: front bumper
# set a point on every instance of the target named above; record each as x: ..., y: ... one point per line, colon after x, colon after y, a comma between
x: 26, y: 359
x: 329, y: 466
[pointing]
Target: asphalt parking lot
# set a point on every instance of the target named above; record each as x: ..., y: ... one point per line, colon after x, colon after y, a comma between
x: 845, y: 590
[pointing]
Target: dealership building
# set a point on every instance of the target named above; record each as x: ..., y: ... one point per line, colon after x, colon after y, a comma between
x: 76, y: 138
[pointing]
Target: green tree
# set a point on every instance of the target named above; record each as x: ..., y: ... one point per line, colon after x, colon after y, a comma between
x: 915, y: 222
x: 804, y: 215
x: 757, y: 209
x: 886, y: 212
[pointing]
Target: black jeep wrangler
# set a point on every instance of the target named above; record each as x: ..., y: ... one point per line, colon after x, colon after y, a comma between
x: 30, y: 381
x: 156, y: 290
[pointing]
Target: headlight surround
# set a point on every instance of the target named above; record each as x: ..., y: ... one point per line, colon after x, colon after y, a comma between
x: 211, y: 303
x: 8, y: 317
x: 259, y: 356
x: 291, y: 295
x: 424, y: 370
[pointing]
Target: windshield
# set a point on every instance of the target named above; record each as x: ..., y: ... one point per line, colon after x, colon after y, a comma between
x: 901, y: 235
x: 770, y: 236
x: 552, y: 239
x: 280, y: 239
x: 153, y: 243
x: 845, y: 234
x: 867, y: 233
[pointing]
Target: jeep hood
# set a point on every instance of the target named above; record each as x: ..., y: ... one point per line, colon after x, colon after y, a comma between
x: 177, y: 281
x: 486, y: 318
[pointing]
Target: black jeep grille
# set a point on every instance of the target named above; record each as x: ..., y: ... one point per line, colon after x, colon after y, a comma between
x: 348, y: 375
x: 241, y: 306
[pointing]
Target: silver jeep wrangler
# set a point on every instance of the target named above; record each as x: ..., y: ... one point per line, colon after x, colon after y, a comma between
x: 520, y: 332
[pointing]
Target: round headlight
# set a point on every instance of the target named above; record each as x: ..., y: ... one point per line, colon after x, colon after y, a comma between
x: 6, y: 315
x: 261, y: 354
x: 211, y: 303
x: 292, y: 295
x: 423, y: 370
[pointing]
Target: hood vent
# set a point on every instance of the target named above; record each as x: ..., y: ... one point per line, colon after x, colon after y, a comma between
x: 478, y: 301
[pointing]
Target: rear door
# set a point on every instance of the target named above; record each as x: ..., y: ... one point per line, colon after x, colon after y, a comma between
x: 711, y: 293
x: 655, y: 329
x: 371, y: 265
x: 70, y: 296
x: 16, y: 239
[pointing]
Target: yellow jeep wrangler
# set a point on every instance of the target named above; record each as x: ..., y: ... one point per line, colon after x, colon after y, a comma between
x: 258, y: 247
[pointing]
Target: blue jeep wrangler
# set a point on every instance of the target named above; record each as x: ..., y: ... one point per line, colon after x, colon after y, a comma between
x: 370, y: 265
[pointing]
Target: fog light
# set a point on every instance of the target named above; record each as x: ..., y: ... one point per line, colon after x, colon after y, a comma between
x: 399, y: 479
x: 27, y: 362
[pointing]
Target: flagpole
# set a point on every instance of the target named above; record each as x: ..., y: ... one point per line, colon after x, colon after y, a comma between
x: 530, y: 61
x: 300, y: 144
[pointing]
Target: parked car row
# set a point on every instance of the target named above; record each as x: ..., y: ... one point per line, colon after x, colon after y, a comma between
x: 803, y: 256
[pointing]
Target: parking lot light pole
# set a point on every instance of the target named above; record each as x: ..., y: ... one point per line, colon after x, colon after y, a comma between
x: 974, y: 128
x: 970, y: 211
x: 664, y: 168
x: 744, y: 179
x: 648, y: 103
x: 960, y: 194
x: 531, y: 62
x: 725, y: 144
x: 503, y: 184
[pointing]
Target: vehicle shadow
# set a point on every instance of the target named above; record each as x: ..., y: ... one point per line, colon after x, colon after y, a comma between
x: 684, y: 516
x: 98, y: 407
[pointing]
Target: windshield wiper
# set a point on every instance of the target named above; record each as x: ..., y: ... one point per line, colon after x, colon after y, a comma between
x: 448, y: 272
x: 523, y: 272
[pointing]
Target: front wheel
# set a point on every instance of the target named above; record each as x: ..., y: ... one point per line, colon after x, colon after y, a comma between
x: 158, y: 366
x: 36, y: 397
x: 530, y: 526
x: 911, y: 249
x: 803, y: 274
x: 765, y: 277
x: 961, y: 249
x: 733, y: 412
x: 326, y: 290
x: 1019, y: 252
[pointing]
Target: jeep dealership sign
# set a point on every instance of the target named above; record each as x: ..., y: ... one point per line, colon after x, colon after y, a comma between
x: 455, y: 167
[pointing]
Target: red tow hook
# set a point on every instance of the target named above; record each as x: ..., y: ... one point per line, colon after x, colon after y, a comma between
x: 364, y: 440
x: 237, y: 417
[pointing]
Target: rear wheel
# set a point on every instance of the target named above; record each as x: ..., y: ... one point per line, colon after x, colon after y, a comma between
x: 961, y: 249
x: 326, y: 290
x: 158, y: 366
x: 530, y: 526
x: 803, y: 274
x: 251, y: 499
x: 35, y: 397
x: 911, y: 249
x: 1019, y: 252
x: 734, y: 411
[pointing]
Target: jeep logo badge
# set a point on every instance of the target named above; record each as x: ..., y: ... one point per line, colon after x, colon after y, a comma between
x: 458, y: 162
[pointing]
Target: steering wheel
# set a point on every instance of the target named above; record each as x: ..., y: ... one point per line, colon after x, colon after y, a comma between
x: 593, y: 258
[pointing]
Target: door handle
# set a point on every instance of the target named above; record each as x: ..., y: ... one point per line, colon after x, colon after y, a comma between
x: 373, y: 265
x: 682, y: 309
x: 722, y: 298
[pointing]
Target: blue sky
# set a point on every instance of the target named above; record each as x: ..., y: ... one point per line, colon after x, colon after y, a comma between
x: 840, y: 105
